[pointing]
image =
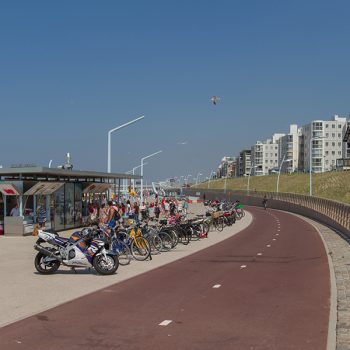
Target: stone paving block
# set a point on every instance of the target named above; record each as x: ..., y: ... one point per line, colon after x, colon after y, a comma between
x: 339, y: 251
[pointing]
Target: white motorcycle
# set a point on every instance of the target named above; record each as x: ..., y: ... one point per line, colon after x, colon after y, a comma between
x: 80, y: 250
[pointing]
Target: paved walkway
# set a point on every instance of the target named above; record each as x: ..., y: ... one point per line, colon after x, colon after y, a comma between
x: 264, y: 288
x: 26, y: 292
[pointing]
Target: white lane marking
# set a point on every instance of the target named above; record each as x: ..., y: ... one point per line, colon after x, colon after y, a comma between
x: 243, y: 266
x: 259, y: 254
x: 18, y: 342
x: 273, y: 239
x: 165, y: 323
x: 278, y: 230
x: 216, y: 285
x: 268, y: 246
x: 277, y: 234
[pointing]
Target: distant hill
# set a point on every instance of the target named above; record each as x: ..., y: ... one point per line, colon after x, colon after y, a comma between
x: 331, y: 185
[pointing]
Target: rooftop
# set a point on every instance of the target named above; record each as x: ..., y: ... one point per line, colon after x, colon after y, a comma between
x: 56, y: 174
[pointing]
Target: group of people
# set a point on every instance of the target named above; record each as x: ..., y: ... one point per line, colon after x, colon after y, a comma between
x: 111, y: 212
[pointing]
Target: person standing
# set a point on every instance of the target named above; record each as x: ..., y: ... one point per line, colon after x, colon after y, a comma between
x: 103, y: 214
x: 136, y: 212
x: 157, y: 211
x: 110, y: 215
x: 41, y: 215
x: 128, y: 207
x: 166, y: 208
x: 15, y: 210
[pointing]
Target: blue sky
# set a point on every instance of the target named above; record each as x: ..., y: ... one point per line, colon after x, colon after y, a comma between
x: 71, y: 70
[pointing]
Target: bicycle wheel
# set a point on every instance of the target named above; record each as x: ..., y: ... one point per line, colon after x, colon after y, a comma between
x: 156, y: 244
x: 195, y: 233
x: 167, y: 242
x: 174, y: 236
x: 220, y: 224
x: 140, y: 249
x: 184, y: 238
x: 123, y: 251
x: 206, y: 226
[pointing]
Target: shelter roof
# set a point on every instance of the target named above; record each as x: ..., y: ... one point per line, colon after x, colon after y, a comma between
x: 56, y: 174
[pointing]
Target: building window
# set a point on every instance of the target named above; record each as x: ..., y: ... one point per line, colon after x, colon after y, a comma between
x: 333, y: 153
x: 326, y: 144
x: 326, y: 162
x: 339, y: 152
x: 339, y: 144
x: 327, y: 135
x: 326, y: 153
x: 275, y: 154
x: 333, y: 144
x: 333, y: 126
x: 266, y: 161
x: 339, y: 126
x: 317, y: 126
x: 339, y: 135
x: 333, y: 135
x: 326, y: 126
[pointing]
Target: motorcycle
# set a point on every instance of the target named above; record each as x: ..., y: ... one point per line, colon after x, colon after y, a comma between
x: 82, y: 249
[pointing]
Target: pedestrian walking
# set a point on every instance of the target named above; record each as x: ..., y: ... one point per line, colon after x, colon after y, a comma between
x: 264, y: 202
x: 185, y: 206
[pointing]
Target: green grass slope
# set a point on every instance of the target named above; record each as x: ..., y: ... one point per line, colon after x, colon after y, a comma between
x: 330, y: 185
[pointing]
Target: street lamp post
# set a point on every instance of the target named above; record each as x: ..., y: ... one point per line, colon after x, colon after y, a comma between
x: 225, y: 183
x: 211, y: 173
x: 133, y: 172
x: 187, y: 178
x: 198, y: 175
x: 310, y: 165
x: 181, y: 177
x: 142, y: 164
x: 279, y: 171
x: 250, y: 172
x: 109, y: 155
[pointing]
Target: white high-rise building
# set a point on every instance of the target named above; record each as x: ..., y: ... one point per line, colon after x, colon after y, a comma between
x: 264, y: 155
x: 288, y: 147
x: 326, y: 140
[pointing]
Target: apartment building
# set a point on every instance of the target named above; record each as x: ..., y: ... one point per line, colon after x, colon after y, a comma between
x: 288, y: 150
x: 265, y: 155
x: 227, y: 167
x: 323, y: 141
x: 243, y: 163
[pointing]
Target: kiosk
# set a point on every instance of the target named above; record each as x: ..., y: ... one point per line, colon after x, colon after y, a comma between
x: 62, y: 195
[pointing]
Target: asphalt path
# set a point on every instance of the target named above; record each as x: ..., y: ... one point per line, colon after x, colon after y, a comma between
x: 267, y: 287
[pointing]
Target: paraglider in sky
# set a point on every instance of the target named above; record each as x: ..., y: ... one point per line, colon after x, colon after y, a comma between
x: 215, y: 100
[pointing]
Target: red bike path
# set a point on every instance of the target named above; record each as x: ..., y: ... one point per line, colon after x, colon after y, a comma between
x: 277, y: 300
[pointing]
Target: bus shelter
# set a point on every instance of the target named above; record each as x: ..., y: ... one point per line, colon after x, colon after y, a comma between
x: 64, y: 195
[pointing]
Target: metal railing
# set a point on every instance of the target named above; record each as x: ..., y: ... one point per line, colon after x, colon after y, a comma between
x: 332, y: 213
